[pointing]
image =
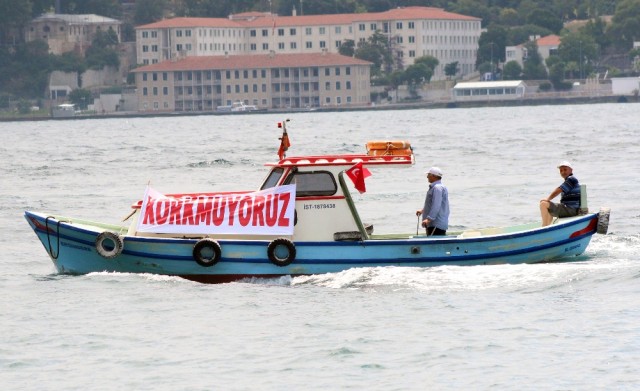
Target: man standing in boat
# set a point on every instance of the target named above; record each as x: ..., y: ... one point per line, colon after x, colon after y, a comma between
x: 435, y: 214
x: 570, y: 200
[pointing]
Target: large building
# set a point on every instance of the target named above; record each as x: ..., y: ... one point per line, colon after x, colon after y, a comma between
x: 64, y: 33
x: 413, y: 32
x: 202, y: 83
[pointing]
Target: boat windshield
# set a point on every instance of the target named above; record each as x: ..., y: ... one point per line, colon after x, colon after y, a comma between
x: 273, y: 178
x: 314, y: 183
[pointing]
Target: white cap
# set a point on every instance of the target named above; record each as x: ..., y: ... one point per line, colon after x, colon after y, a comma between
x: 435, y: 171
x: 564, y: 164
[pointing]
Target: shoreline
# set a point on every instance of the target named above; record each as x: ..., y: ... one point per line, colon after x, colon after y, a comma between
x: 390, y: 106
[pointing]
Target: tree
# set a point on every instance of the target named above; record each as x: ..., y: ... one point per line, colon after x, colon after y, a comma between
x: 149, y: 11
x: 347, y: 48
x: 13, y: 15
x: 491, y: 45
x: 451, y: 69
x: 512, y: 71
x: 533, y: 67
x: 545, y: 18
x: 376, y: 50
x: 578, y: 48
x: 625, y: 25
x: 102, y: 51
x: 80, y: 97
x: 430, y: 61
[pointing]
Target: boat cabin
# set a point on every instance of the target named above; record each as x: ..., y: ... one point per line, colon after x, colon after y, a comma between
x: 324, y: 207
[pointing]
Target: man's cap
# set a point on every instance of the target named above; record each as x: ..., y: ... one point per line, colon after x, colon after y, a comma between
x: 564, y: 164
x: 435, y: 171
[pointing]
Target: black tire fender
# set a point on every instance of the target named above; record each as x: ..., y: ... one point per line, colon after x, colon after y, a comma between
x: 281, y: 252
x: 109, y: 245
x: 207, y: 252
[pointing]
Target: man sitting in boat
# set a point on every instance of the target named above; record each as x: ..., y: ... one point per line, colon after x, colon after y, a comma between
x: 570, y: 200
x: 435, y: 214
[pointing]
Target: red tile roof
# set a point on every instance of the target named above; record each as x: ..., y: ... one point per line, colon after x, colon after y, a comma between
x: 258, y: 19
x: 255, y: 61
x: 549, y: 40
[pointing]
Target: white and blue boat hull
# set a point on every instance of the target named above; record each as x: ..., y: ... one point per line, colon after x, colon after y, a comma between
x: 72, y: 248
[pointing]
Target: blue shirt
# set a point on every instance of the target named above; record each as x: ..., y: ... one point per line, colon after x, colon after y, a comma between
x: 570, y: 192
x: 436, y: 206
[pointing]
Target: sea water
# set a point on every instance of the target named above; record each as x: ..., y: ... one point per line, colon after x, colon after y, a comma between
x: 568, y: 326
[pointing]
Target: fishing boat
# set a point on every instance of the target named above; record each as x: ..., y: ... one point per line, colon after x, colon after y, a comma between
x: 302, y: 220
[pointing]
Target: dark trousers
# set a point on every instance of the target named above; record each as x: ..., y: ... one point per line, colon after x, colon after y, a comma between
x: 433, y: 231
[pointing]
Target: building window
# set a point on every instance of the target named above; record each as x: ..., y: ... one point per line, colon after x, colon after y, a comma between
x: 154, y: 34
x: 187, y: 33
x: 338, y: 86
x: 265, y: 33
x: 281, y: 32
x: 253, y: 47
x: 252, y: 33
x: 412, y: 25
x: 348, y: 85
x: 412, y: 53
x: 236, y: 74
x: 154, y: 48
x: 165, y: 76
x: 145, y: 91
x: 337, y: 71
x: 265, y: 46
x: 347, y: 70
x: 178, y: 33
x: 145, y: 48
x: 338, y: 44
x: 237, y: 88
x: 412, y: 39
x: 144, y: 76
x: 292, y: 31
x: 145, y: 34
x: 154, y: 76
x: 323, y: 44
x: 228, y: 89
x: 307, y: 31
x: 155, y: 90
x: 309, y: 45
x: 293, y: 45
x: 361, y: 27
x: 165, y: 90
x: 338, y: 30
x: 281, y: 45
x: 374, y: 27
x: 327, y: 72
x: 322, y: 30
x: 245, y: 74
x: 327, y: 86
x: 399, y: 25
x: 179, y: 47
x: 246, y: 88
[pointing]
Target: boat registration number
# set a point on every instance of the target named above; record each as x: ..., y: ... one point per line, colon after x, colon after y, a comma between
x: 319, y: 206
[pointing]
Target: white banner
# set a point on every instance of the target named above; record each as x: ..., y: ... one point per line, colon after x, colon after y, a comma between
x: 266, y: 212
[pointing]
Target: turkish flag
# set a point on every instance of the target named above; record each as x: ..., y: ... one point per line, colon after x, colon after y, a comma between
x: 357, y: 173
x: 284, y: 145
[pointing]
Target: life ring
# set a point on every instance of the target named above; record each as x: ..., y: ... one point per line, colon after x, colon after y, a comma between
x: 281, y: 252
x: 109, y: 245
x: 207, y: 252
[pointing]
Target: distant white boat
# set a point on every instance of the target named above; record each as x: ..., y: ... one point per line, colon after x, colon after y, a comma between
x: 64, y: 110
x: 237, y: 107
